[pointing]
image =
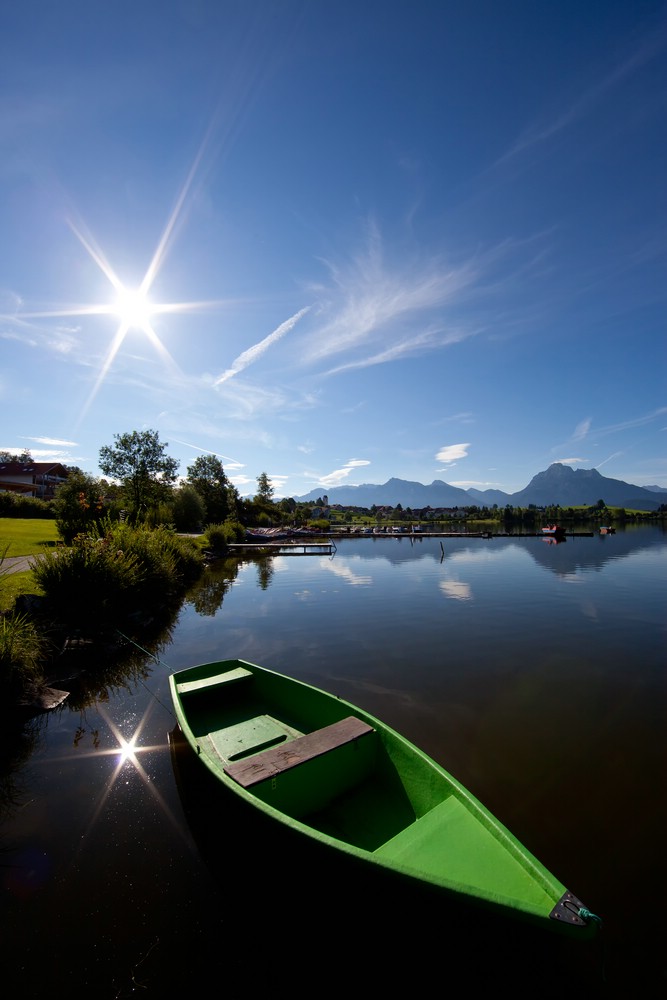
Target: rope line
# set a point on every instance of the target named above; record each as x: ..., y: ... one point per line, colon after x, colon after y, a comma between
x: 157, y: 659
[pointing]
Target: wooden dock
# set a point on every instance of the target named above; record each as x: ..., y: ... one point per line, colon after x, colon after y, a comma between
x: 288, y: 547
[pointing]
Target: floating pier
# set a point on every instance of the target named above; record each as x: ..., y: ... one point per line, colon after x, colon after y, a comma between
x: 288, y: 547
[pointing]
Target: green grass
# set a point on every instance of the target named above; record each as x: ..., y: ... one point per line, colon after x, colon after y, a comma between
x: 22, y: 537
x: 15, y: 585
x: 26, y: 536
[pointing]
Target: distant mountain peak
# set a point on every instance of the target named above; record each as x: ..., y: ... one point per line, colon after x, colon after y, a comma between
x: 558, y: 485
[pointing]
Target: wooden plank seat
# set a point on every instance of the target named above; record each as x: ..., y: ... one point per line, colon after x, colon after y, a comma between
x: 272, y: 762
x: 230, y: 677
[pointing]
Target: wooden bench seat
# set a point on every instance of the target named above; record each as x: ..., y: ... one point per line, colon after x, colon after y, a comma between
x: 230, y: 677
x: 271, y: 762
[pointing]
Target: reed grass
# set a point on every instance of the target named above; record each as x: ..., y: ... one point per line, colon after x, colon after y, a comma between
x: 22, y: 651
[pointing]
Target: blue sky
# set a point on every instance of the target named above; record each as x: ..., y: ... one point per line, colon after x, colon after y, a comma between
x: 362, y: 239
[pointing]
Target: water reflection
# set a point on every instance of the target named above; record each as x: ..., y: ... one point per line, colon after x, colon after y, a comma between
x: 569, y: 556
x: 354, y: 559
x: 124, y: 752
x: 456, y: 589
x: 208, y: 593
x: 18, y: 741
x: 544, y: 698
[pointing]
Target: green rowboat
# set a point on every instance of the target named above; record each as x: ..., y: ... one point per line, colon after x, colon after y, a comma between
x: 327, y: 769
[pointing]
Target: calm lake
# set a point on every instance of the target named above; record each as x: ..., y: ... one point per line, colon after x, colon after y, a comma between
x: 534, y: 672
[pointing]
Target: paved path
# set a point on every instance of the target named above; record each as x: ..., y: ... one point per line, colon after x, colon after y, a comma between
x: 15, y: 564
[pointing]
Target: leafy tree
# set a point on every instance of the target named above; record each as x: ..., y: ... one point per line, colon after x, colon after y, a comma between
x: 79, y: 505
x: 189, y: 509
x: 264, y: 488
x: 207, y: 476
x: 262, y: 510
x: 139, y: 461
x: 7, y: 456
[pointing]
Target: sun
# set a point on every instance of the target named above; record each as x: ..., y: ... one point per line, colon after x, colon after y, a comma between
x: 133, y: 308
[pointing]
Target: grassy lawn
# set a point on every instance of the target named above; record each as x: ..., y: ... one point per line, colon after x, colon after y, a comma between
x: 22, y: 537
x: 26, y: 536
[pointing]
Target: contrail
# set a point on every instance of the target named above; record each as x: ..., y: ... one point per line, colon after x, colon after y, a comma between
x: 257, y: 350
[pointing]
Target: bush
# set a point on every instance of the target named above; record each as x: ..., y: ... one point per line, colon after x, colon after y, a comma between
x: 102, y: 581
x: 91, y: 582
x: 169, y: 562
x: 219, y: 536
x: 189, y: 509
x: 79, y: 506
x: 15, y: 505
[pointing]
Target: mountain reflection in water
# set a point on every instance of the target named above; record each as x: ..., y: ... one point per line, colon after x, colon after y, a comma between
x: 533, y: 672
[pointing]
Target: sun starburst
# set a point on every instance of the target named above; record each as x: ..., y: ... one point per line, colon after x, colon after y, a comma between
x: 132, y: 306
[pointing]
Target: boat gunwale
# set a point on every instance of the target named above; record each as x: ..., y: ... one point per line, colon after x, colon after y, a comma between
x: 534, y: 868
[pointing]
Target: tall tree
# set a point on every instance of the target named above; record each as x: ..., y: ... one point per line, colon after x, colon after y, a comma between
x: 207, y: 476
x: 146, y: 472
x: 264, y: 488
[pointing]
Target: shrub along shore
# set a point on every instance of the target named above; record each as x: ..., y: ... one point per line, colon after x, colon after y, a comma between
x: 115, y: 580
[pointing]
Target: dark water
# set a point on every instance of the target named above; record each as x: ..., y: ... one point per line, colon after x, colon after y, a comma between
x: 534, y: 672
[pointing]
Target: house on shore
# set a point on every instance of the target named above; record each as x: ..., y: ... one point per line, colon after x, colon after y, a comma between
x: 32, y: 479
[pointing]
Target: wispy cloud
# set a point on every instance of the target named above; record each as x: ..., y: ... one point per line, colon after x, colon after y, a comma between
x: 374, y: 304
x: 255, y: 352
x: 584, y: 105
x: 636, y: 422
x: 587, y: 430
x: 53, y: 441
x: 338, y: 476
x: 582, y: 429
x: 465, y: 417
x: 429, y: 339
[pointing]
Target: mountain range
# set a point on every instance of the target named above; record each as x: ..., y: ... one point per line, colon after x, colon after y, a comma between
x: 558, y: 485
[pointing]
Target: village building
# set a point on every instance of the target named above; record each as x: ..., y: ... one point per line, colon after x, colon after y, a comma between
x: 33, y: 479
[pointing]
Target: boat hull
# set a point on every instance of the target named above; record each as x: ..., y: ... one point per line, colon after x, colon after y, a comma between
x: 327, y: 770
